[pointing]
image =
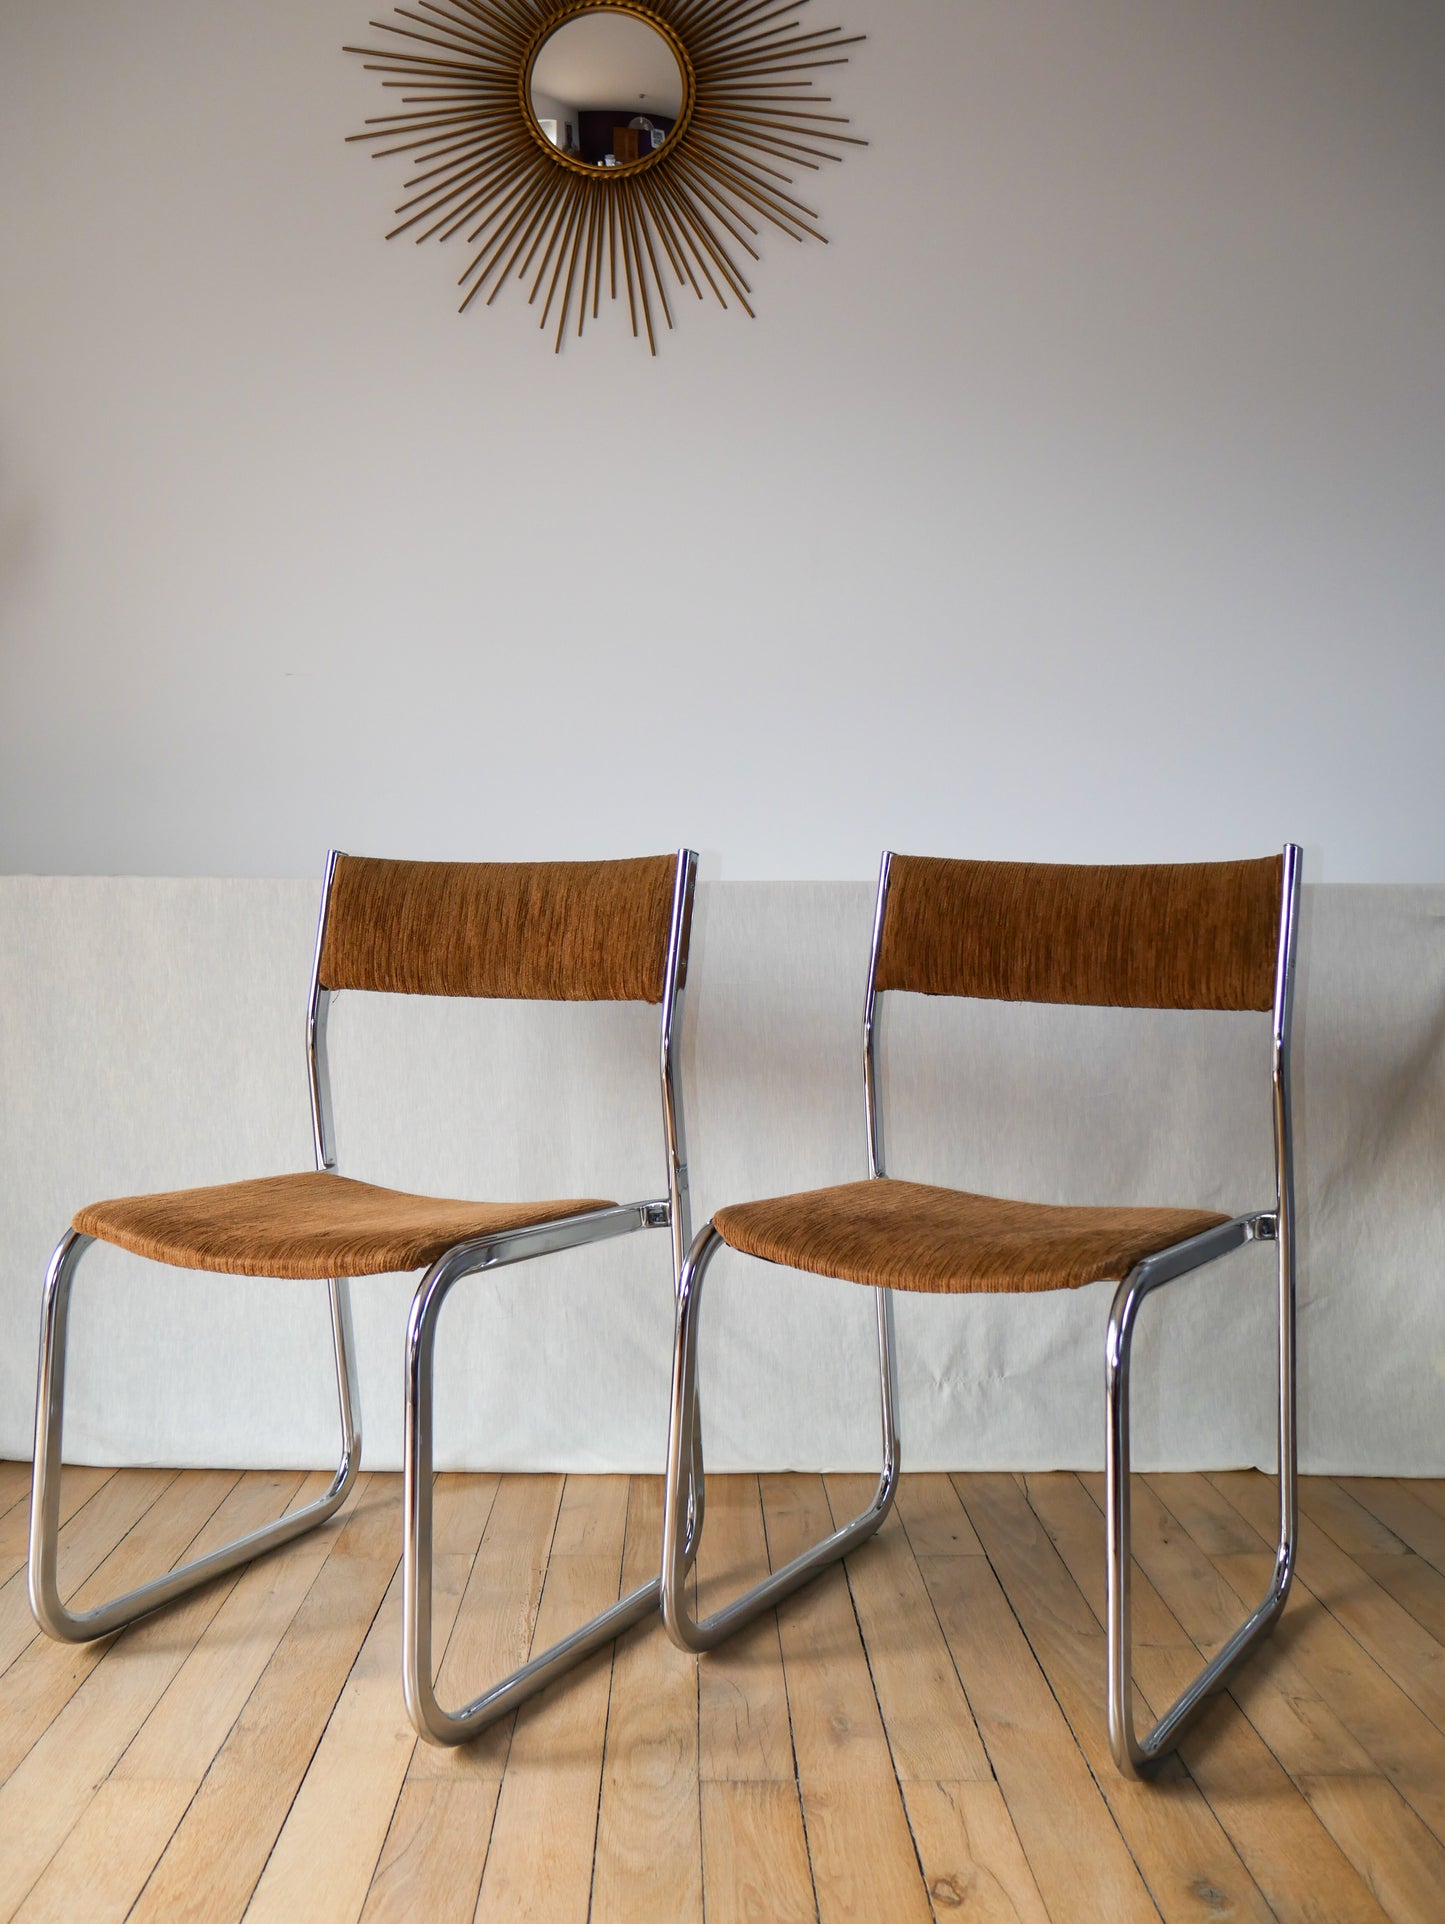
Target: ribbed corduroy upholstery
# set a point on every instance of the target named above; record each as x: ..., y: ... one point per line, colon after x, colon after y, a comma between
x: 312, y: 1225
x: 1194, y: 935
x: 908, y: 1235
x: 550, y: 931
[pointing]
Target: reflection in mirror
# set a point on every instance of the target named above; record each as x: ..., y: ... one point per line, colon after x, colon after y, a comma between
x: 606, y: 89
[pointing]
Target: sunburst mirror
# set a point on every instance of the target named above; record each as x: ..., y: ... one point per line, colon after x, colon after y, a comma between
x: 606, y: 143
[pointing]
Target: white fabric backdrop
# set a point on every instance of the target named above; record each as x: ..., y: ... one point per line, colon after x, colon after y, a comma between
x: 150, y: 1037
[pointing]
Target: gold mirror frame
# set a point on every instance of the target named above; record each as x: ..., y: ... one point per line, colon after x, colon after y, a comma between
x: 563, y: 16
x: 750, y: 119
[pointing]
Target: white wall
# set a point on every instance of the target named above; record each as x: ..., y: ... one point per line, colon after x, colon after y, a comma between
x: 551, y: 107
x: 1082, y: 498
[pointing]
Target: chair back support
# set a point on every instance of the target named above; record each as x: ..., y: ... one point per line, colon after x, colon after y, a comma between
x: 543, y: 931
x: 1190, y: 935
x: 546, y: 931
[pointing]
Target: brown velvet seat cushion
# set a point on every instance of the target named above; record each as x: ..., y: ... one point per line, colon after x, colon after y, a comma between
x: 311, y: 1225
x: 908, y: 1235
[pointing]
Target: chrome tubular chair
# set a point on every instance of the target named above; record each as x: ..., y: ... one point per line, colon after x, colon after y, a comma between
x: 556, y: 931
x: 1197, y: 936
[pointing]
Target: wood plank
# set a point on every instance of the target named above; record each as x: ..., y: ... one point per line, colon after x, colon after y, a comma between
x: 859, y: 1844
x: 14, y: 1484
x: 1413, y: 1581
x: 1353, y: 1526
x: 1396, y: 1853
x: 1402, y: 1648
x: 837, y: 1730
x: 78, y: 1485
x: 46, y: 1674
x: 213, y: 1862
x: 104, y: 1862
x: 539, y: 1865
x: 436, y: 1844
x: 755, y: 1853
x: 972, y: 1858
x: 1078, y: 1857
x: 1402, y: 1742
x: 44, y: 1796
x: 929, y: 1726
x: 744, y: 1731
x: 965, y: 1839
x: 755, y: 1857
x: 1402, y: 1860
x: 1287, y: 1849
x: 323, y: 1862
x: 96, y: 1531
x: 323, y: 1859
x: 1192, y: 1869
x: 436, y: 1848
x: 649, y: 1842
x: 935, y: 1520
x: 862, y: 1854
x: 1400, y: 1508
x: 103, y: 1842
x: 1300, y: 1724
x: 1325, y: 1777
x: 1416, y: 1587
x: 494, y: 1627
x: 339, y: 1824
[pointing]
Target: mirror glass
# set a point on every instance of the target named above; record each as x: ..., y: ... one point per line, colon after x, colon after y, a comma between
x: 606, y: 89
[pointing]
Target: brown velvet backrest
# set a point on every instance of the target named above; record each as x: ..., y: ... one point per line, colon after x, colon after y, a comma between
x: 547, y: 931
x: 1189, y: 935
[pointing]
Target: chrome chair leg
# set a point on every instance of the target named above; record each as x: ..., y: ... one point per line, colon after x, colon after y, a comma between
x: 1135, y: 1755
x: 80, y: 1627
x: 433, y: 1722
x: 686, y: 1630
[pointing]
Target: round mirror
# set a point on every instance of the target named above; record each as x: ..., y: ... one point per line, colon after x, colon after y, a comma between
x: 608, y: 89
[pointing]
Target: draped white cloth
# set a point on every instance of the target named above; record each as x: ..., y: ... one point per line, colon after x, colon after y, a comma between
x: 151, y: 1037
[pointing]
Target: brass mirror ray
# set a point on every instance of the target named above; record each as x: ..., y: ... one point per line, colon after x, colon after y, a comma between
x: 678, y: 203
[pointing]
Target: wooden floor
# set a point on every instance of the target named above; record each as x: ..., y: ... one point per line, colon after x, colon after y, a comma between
x: 919, y: 1736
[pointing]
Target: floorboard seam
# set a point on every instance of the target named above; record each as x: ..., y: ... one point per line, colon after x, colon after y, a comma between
x: 788, y: 1700
x: 1323, y: 1603
x: 321, y: 1736
x: 1203, y: 1793
x: 1108, y: 1807
x: 863, y: 1549
x: 1360, y: 1871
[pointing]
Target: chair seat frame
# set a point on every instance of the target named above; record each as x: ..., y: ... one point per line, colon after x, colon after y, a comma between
x: 45, y: 1601
x: 435, y: 1723
x: 1135, y: 1756
x: 480, y: 1255
x: 81, y: 1626
x: 684, y: 1447
x: 684, y: 1463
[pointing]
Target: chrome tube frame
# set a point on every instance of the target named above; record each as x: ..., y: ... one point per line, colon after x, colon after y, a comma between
x: 684, y: 1443
x: 674, y: 1126
x: 45, y: 1603
x: 435, y: 1723
x: 687, y: 1630
x: 1135, y: 1755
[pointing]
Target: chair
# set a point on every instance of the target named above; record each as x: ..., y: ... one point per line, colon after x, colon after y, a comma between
x: 557, y: 931
x: 1199, y: 936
